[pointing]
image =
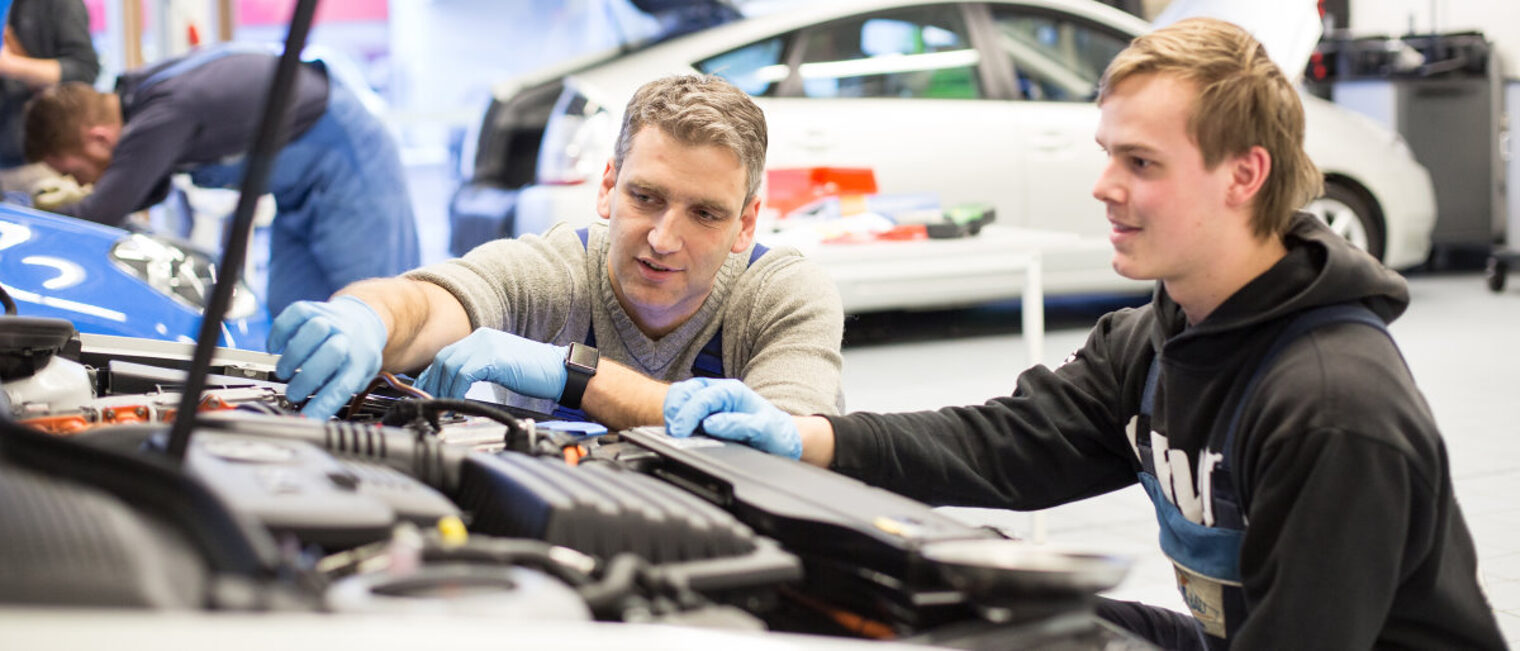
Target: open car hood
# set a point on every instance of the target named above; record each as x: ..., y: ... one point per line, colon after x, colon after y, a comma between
x: 1289, y: 29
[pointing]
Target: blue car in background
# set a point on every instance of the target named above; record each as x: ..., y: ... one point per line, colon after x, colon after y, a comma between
x: 112, y: 281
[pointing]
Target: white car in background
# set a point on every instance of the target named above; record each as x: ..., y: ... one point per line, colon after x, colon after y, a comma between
x: 977, y: 101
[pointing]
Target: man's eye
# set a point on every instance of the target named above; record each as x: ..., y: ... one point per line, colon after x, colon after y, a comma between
x: 1140, y: 163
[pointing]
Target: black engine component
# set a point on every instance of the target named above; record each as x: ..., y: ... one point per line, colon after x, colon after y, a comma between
x: 27, y: 343
x: 72, y: 545
x: 599, y: 511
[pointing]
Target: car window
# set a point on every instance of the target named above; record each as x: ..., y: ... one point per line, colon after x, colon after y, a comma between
x: 1055, y: 58
x: 755, y: 68
x: 921, y: 52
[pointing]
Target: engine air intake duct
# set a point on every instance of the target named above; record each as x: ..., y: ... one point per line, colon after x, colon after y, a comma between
x: 596, y: 509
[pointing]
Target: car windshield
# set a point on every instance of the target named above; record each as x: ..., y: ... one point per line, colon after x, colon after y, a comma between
x: 1055, y: 59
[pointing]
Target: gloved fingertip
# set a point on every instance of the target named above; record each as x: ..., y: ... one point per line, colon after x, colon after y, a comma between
x: 689, y: 416
x: 424, y: 382
x: 276, y: 341
x: 316, y: 410
x: 727, y: 426
x: 446, y: 386
x: 678, y: 427
x: 285, y: 369
x: 325, y: 402
x: 283, y: 326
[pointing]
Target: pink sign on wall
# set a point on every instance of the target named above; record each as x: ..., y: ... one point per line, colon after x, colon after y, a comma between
x: 97, y: 9
x: 267, y: 12
x: 277, y: 12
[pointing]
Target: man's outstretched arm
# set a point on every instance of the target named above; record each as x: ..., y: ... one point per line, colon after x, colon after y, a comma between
x: 616, y: 396
x: 421, y: 317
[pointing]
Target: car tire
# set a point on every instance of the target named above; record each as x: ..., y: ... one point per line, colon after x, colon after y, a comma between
x: 1494, y: 273
x: 1350, y: 213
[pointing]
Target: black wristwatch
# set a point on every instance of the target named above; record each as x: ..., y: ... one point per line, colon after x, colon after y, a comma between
x: 580, y: 365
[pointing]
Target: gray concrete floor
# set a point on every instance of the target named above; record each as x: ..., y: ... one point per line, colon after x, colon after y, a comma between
x: 1461, y: 341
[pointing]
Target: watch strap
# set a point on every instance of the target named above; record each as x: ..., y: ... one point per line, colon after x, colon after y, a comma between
x: 580, y: 365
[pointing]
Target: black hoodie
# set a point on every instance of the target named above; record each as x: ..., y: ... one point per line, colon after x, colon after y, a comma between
x: 1354, y: 538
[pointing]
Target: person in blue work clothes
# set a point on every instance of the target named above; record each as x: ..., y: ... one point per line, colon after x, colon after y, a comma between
x: 596, y: 322
x: 342, y: 209
x: 1297, y: 474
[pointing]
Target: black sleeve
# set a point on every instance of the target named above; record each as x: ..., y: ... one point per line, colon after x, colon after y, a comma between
x: 1344, y: 501
x: 77, y: 59
x: 1325, y: 546
x: 151, y: 144
x: 1058, y: 438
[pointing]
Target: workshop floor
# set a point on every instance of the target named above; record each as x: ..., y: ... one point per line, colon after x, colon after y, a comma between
x: 1462, y: 342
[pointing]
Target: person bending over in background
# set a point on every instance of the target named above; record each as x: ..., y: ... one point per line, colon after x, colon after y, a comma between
x: 668, y: 285
x: 45, y: 42
x: 1300, y: 482
x: 342, y: 212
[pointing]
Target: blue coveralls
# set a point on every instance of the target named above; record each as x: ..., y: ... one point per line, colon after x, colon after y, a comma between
x: 342, y: 209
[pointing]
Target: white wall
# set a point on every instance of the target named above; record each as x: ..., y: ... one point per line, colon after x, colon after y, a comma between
x: 1499, y: 20
x: 446, y: 54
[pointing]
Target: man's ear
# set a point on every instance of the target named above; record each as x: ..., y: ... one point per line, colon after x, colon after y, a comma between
x: 101, y: 137
x: 1248, y: 173
x: 604, y: 191
x: 747, y: 219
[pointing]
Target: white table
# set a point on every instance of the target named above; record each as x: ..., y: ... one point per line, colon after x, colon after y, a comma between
x: 997, y: 264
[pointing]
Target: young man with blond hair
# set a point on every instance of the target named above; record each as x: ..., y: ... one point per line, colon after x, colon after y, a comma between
x: 667, y: 286
x: 1300, y: 482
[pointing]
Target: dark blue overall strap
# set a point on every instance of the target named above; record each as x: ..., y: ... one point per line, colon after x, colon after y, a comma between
x: 200, y: 58
x: 755, y: 253
x: 1147, y: 409
x: 1302, y: 323
x: 709, y: 361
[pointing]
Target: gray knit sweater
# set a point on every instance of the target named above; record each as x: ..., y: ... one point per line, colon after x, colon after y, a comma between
x: 781, y: 317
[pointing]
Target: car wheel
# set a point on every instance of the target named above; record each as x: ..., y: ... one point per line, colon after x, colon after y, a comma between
x: 1495, y: 272
x: 1351, y: 215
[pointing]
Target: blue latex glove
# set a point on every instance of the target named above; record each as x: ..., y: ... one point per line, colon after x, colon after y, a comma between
x: 331, y: 348
x: 727, y: 409
x: 525, y: 366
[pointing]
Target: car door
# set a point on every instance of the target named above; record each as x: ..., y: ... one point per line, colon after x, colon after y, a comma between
x: 901, y: 91
x: 1056, y: 60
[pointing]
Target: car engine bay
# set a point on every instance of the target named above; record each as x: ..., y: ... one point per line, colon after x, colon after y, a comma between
x: 407, y: 504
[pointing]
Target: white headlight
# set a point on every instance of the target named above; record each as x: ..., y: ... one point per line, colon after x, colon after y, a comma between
x: 183, y: 275
x: 575, y: 145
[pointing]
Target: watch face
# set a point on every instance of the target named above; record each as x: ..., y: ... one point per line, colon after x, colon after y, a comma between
x: 583, y: 357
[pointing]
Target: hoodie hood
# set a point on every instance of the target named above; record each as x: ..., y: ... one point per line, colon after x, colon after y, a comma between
x: 1320, y: 268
